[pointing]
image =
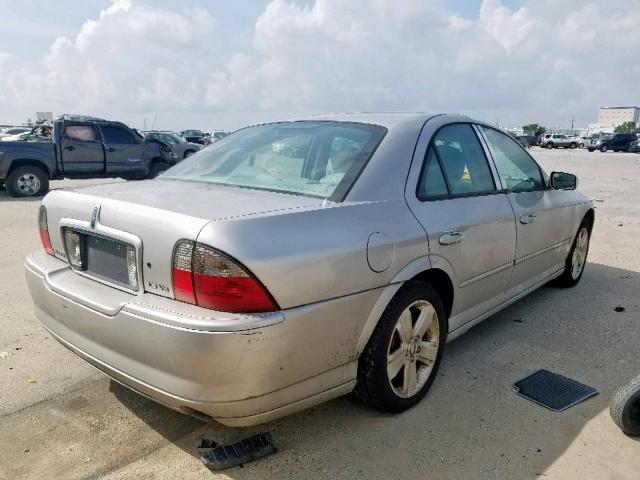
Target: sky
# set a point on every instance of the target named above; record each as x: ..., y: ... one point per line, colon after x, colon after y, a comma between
x: 214, y: 64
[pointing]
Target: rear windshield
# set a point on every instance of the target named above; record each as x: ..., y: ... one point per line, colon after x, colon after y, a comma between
x: 316, y: 159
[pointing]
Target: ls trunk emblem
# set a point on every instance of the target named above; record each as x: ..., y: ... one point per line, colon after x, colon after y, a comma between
x: 95, y: 216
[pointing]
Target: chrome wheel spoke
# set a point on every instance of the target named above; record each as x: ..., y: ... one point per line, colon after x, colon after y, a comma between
x: 404, y: 327
x: 410, y: 384
x: 427, y: 353
x: 395, y: 361
x: 424, y: 321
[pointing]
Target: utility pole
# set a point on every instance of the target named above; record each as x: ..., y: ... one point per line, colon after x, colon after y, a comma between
x: 573, y: 118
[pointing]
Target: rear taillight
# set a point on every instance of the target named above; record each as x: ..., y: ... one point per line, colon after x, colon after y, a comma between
x: 207, y: 278
x: 44, y: 230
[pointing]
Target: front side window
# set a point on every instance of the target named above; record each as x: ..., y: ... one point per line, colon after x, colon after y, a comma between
x: 517, y: 169
x: 318, y: 159
x: 113, y: 134
x: 465, y: 166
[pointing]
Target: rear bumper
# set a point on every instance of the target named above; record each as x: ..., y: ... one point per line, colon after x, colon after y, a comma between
x: 240, y: 370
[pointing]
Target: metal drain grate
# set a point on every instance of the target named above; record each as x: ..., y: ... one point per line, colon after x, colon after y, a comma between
x: 553, y: 391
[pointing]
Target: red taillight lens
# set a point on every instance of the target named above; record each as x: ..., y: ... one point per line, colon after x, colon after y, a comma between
x: 44, y: 230
x: 206, y: 277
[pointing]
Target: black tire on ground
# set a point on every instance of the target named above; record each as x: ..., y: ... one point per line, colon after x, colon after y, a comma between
x: 157, y: 168
x: 188, y: 153
x: 616, y: 150
x: 604, y: 148
x: 625, y: 408
x: 573, y: 145
x: 373, y: 385
x: 550, y: 145
x: 590, y: 149
x: 566, y: 280
x: 27, y: 181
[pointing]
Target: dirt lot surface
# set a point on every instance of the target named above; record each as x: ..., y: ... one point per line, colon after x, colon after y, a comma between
x: 60, y: 418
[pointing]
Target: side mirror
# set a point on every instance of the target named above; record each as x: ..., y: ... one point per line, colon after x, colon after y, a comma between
x: 563, y: 181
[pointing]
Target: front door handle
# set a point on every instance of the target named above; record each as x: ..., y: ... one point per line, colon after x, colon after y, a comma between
x: 451, y: 238
x: 69, y: 147
x: 528, y: 218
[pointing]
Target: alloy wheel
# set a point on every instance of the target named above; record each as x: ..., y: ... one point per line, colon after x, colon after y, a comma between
x: 413, y: 348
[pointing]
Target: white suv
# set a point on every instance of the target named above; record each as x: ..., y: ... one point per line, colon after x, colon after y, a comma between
x: 555, y: 140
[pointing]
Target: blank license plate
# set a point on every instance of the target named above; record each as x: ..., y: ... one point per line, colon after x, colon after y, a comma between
x: 107, y: 259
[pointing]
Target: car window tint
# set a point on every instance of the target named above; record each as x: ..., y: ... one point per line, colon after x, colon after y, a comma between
x: 516, y: 168
x: 463, y: 160
x: 84, y: 133
x: 113, y: 134
x: 432, y: 182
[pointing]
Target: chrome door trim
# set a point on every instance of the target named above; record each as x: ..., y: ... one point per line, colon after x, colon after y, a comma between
x: 486, y: 274
x: 531, y: 255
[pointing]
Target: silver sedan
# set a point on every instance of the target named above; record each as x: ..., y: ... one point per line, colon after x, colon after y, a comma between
x: 294, y: 262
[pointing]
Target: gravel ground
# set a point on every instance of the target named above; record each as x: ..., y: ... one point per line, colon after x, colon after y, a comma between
x: 60, y: 418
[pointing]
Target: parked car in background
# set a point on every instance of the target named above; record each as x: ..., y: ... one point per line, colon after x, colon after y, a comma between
x: 218, y: 134
x: 618, y: 142
x: 583, y: 141
x: 81, y: 147
x: 178, y: 145
x: 555, y: 140
x: 8, y: 132
x: 635, y: 146
x: 249, y: 281
x: 39, y: 133
x: 194, y: 136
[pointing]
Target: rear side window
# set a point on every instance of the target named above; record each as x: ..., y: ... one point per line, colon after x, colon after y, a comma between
x: 84, y: 133
x: 517, y: 169
x: 114, y: 134
x: 432, y: 183
x: 464, y: 164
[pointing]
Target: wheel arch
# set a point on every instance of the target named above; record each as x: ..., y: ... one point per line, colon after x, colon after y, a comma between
x: 589, y: 218
x: 20, y: 162
x: 437, y: 277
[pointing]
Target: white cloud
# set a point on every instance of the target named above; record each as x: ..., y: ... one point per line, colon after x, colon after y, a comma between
x: 544, y: 61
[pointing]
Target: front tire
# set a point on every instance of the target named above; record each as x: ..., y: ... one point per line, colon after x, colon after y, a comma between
x: 157, y: 168
x: 27, y: 181
x: 604, y: 148
x: 402, y: 357
x: 573, y: 146
x: 625, y: 408
x: 576, y: 260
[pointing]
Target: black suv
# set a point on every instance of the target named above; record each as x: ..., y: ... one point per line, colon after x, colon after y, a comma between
x: 618, y: 143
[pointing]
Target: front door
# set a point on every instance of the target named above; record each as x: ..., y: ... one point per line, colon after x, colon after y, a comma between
x: 544, y: 217
x: 81, y: 150
x: 469, y: 221
x: 124, y: 152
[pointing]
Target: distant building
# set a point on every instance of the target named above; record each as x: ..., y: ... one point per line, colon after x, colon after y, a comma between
x: 614, y: 116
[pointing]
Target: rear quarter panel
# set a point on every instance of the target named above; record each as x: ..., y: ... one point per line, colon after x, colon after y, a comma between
x: 308, y: 256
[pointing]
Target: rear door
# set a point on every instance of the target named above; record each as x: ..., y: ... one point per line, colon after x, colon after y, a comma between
x: 81, y: 150
x: 544, y: 217
x: 468, y: 219
x: 124, y: 151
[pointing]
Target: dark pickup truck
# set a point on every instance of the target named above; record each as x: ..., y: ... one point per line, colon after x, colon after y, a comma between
x: 80, y: 147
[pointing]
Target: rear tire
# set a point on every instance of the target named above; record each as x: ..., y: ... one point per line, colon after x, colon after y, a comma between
x: 576, y: 260
x: 401, y: 359
x: 604, y: 148
x: 27, y: 181
x: 625, y: 408
x: 157, y: 168
x: 573, y: 145
x: 590, y: 149
x: 188, y: 153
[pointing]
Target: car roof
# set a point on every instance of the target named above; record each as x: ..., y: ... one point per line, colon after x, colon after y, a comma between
x: 384, y: 119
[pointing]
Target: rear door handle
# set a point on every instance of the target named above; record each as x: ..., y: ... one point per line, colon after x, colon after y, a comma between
x: 528, y: 218
x: 69, y: 147
x: 451, y: 238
